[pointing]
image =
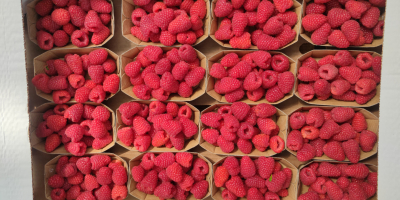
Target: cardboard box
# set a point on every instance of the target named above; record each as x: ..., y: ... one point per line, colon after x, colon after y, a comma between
x: 32, y: 17
x: 373, y: 125
x: 280, y: 118
x: 143, y: 196
x: 217, y: 192
x: 216, y: 21
x: 307, y: 35
x: 221, y: 98
x: 36, y: 117
x: 190, y: 143
x: 126, y: 85
x: 39, y: 64
x: 50, y: 169
x: 127, y: 9
x: 317, y: 55
x: 304, y: 188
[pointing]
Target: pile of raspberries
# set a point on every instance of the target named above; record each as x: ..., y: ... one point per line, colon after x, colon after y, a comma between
x: 78, y: 127
x: 62, y: 21
x: 338, y: 133
x: 169, y: 21
x: 263, y: 177
x: 353, y: 181
x: 343, y: 23
x: 156, y: 125
x: 94, y: 177
x: 341, y: 76
x: 244, y: 126
x: 255, y: 74
x: 66, y: 78
x: 262, y: 23
x: 170, y: 176
x: 164, y: 74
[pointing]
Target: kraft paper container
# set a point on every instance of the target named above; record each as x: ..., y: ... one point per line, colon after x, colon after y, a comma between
x: 378, y: 41
x: 217, y: 192
x: 126, y: 86
x: 216, y: 21
x: 50, y: 169
x: 280, y: 118
x: 317, y: 55
x: 36, y: 117
x: 143, y: 196
x: 128, y: 7
x: 39, y: 64
x: 32, y: 17
x: 304, y: 188
x: 189, y: 143
x: 221, y: 98
x: 373, y: 125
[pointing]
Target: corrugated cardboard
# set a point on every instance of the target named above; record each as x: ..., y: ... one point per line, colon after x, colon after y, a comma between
x: 32, y: 17
x: 36, y: 117
x: 317, y: 55
x: 221, y: 98
x: 39, y: 64
x: 373, y: 125
x: 215, y: 22
x: 307, y: 35
x: 304, y: 188
x: 50, y: 169
x: 217, y: 192
x: 127, y: 87
x: 127, y: 9
x: 280, y: 118
x: 190, y: 143
x: 143, y: 196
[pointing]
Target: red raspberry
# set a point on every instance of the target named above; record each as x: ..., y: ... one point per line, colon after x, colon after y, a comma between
x: 84, y: 165
x: 315, y: 8
x: 356, y: 8
x: 162, y: 18
x: 105, y: 18
x: 99, y: 143
x: 338, y: 39
x: 199, y: 189
x: 223, y: 8
x: 306, y: 153
x: 140, y: 125
x: 339, y: 87
x: 56, y: 122
x: 371, y: 75
x: 187, y: 53
x: 52, y: 142
x: 167, y: 39
x: 280, y: 63
x: 334, y: 150
x: 378, y: 30
x: 101, y: 6
x: 82, y: 94
x: 309, y: 132
x: 358, y: 170
x: 352, y: 150
x: 236, y: 186
x: 333, y: 190
x: 218, y: 71
x: 358, y: 122
x: 363, y: 99
x: 365, y: 86
x: 186, y: 5
x: 372, y: 178
x: 307, y: 176
x: 274, y: 94
x: 307, y: 74
x: 97, y: 94
x: 309, y: 196
x: 40, y: 81
x: 194, y: 76
x: 98, y: 57
x: 329, y: 129
x: 180, y: 24
x: 111, y: 83
x: 49, y: 25
x: 322, y: 88
x: 315, y: 117
x: 93, y: 22
x: 320, y: 36
x: 100, y: 36
x: 199, y: 8
x: 225, y: 145
x: 43, y: 131
x: 58, y: 194
x: 221, y: 175
x: 295, y: 140
x: 286, y: 82
x: 80, y: 38
x: 371, y: 17
x: 132, y: 69
x: 210, y: 135
x: 188, y: 37
x: 351, y: 74
x: 60, y: 38
x: 347, y: 132
x: 364, y: 61
x: 74, y: 113
x: 277, y: 144
x: 367, y: 140
x: 351, y: 29
x: 312, y: 22
x: 44, y: 7
x: 75, y: 132
x: 152, y: 80
x: 328, y: 72
x: 99, y: 161
x: 266, y: 42
x: 328, y: 169
x: 164, y: 160
x: 273, y: 26
x: 57, y: 83
x: 239, y: 23
x: 142, y: 91
x: 162, y: 66
x: 336, y: 17
x: 136, y: 15
x: 224, y: 32
x: 119, y: 175
x: 165, y: 190
x: 60, y: 16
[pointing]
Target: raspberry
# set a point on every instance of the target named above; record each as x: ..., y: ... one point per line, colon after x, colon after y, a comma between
x: 307, y: 176
x: 329, y: 129
x: 101, y: 36
x: 119, y: 176
x: 315, y: 8
x: 247, y: 167
x: 328, y: 169
x: 307, y: 74
x: 57, y: 83
x: 111, y: 83
x: 343, y: 58
x: 347, y: 132
x: 309, y: 132
x: 356, y: 8
x: 339, y: 87
x: 309, y: 196
x: 333, y: 190
x: 40, y: 81
x: 278, y: 179
x: 280, y: 63
x: 371, y: 75
x: 277, y: 144
x: 363, y: 99
x: 194, y: 76
x: 223, y: 8
x: 236, y: 186
x: 378, y: 30
x: 274, y: 94
x: 101, y: 6
x: 338, y: 39
x: 273, y: 26
x: 43, y: 131
x: 358, y: 170
x: 56, y: 122
x: 315, y: 117
x: 49, y: 25
x: 61, y: 96
x: 266, y: 42
x: 371, y: 17
x: 306, y: 153
x: 224, y: 32
x: 358, y: 122
x: 52, y: 142
x: 218, y: 71
x: 84, y: 165
x: 230, y: 60
x: 295, y: 140
x: 320, y: 35
x: 367, y: 140
x: 225, y: 145
x: 44, y: 7
x: 365, y: 86
x: 322, y: 88
x: 351, y: 74
x: 312, y: 22
x: 80, y: 38
x: 93, y: 22
x: 179, y: 24
x: 364, y: 61
x: 352, y: 150
x: 75, y: 132
x: 334, y: 150
x: 98, y: 57
x: 198, y: 8
x: 105, y: 18
x: 162, y: 66
x: 60, y: 38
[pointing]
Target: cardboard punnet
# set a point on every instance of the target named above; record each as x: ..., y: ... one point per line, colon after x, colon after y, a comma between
x: 216, y: 58
x: 143, y: 196
x: 32, y: 17
x: 128, y: 7
x: 217, y: 192
x: 50, y: 169
x: 126, y: 85
x: 304, y: 188
x: 373, y: 125
x: 39, y: 64
x: 189, y: 143
x: 317, y: 55
x: 216, y: 21
x: 36, y: 117
x: 378, y: 41
x: 280, y: 118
